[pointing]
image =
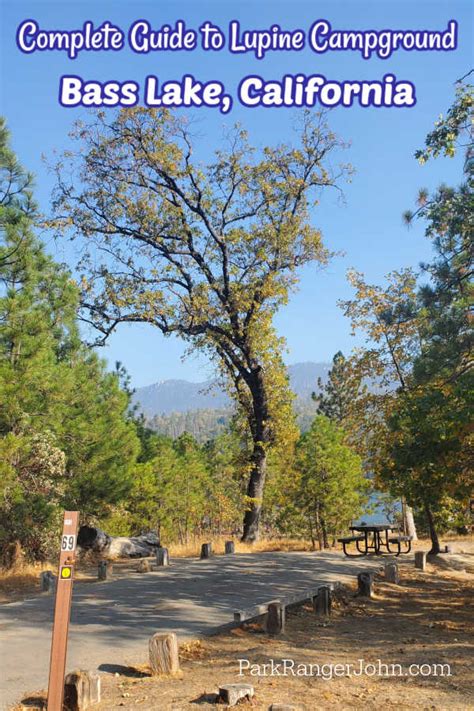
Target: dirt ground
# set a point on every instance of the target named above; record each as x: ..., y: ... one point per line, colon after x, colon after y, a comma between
x: 425, y: 620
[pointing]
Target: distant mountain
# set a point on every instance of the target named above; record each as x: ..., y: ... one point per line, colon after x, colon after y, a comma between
x: 170, y: 396
x: 179, y: 396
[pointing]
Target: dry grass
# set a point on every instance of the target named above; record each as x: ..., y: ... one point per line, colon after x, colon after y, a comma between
x: 21, y: 580
x: 193, y: 547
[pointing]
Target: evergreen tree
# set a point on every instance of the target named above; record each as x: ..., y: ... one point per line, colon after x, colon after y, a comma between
x: 65, y: 438
x: 431, y: 424
x: 330, y: 486
x: 417, y: 430
x: 336, y: 396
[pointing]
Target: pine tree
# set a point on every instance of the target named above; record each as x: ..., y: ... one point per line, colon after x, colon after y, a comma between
x: 336, y: 396
x: 330, y: 488
x: 65, y: 437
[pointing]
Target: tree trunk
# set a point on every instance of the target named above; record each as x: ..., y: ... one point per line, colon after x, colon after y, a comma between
x: 259, y: 426
x: 255, y: 494
x: 318, y: 527
x: 324, y: 532
x: 311, y: 532
x: 410, y: 523
x: 435, y: 547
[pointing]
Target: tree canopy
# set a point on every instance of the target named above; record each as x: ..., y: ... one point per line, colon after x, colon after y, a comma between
x: 65, y: 436
x: 205, y: 251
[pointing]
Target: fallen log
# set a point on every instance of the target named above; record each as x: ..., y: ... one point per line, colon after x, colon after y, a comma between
x: 97, y: 541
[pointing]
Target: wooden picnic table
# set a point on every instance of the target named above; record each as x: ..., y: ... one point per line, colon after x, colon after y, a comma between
x: 376, y: 538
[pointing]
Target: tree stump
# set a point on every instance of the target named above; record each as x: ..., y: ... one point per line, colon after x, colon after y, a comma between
x: 392, y: 574
x: 47, y: 581
x: 206, y: 550
x: 322, y: 602
x: 229, y: 547
x: 420, y: 560
x: 231, y: 694
x: 448, y: 549
x: 162, y: 557
x: 365, y: 584
x: 275, y: 620
x: 144, y: 566
x: 81, y: 690
x: 164, y: 656
x: 102, y: 570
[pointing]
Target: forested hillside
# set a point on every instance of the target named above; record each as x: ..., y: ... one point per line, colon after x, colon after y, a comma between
x: 203, y: 409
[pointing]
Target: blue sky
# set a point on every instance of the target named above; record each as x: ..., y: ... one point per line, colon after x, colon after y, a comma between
x: 367, y: 227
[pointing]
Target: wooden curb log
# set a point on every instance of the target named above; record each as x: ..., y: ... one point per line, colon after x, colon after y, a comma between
x: 47, y: 581
x: 322, y: 602
x: 297, y: 598
x: 229, y: 547
x: 420, y: 560
x: 163, y: 652
x: 103, y: 570
x: 81, y: 690
x: 231, y: 694
x: 365, y: 584
x: 162, y: 557
x: 392, y: 574
x: 275, y: 620
x: 206, y: 550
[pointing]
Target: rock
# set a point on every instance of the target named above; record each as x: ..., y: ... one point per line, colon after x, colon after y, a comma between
x: 229, y: 547
x: 420, y: 560
x: 144, y: 566
x: 275, y: 620
x: 163, y: 651
x: 231, y: 694
x: 47, y: 581
x: 287, y: 707
x: 81, y: 690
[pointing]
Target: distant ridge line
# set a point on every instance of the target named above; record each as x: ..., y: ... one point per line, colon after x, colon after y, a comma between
x: 179, y: 395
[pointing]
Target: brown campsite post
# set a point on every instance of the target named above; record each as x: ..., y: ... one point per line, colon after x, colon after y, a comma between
x: 62, y: 610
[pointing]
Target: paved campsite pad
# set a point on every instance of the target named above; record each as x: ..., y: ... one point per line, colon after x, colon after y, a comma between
x: 112, y: 621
